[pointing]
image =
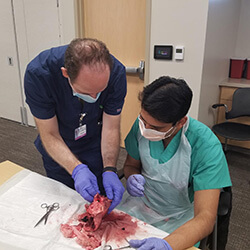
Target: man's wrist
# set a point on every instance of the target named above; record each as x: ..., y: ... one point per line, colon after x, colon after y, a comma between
x: 110, y: 168
x: 78, y: 168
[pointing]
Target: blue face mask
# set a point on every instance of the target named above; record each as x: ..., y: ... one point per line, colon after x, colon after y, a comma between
x: 87, y: 98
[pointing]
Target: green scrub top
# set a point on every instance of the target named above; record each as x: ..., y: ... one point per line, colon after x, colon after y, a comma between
x: 208, y: 169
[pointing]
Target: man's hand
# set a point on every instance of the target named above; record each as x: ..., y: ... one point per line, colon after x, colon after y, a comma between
x: 113, y: 188
x: 85, y: 182
x: 152, y: 243
x: 135, y: 183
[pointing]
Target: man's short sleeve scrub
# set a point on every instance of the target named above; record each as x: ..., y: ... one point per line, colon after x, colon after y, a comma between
x: 209, y: 169
x: 48, y: 93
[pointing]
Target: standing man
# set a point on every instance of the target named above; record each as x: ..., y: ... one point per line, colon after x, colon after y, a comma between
x: 76, y: 93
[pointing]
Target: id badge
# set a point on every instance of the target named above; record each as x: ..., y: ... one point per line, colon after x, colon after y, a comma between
x: 80, y: 132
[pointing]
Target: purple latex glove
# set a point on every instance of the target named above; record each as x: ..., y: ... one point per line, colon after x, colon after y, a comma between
x: 113, y: 188
x: 135, y: 183
x: 152, y: 243
x: 85, y: 182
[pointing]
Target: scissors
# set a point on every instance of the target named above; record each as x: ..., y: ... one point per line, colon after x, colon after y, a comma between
x: 108, y: 247
x: 49, y: 209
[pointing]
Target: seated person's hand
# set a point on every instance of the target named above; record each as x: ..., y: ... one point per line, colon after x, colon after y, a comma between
x: 152, y: 243
x: 113, y: 188
x: 135, y: 183
x: 85, y: 182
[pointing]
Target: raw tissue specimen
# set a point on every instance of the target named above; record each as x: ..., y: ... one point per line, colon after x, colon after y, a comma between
x: 95, y: 225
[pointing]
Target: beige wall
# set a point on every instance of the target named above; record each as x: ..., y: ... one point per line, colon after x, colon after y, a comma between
x: 179, y: 23
x: 211, y: 31
x: 221, y: 37
x: 243, y: 37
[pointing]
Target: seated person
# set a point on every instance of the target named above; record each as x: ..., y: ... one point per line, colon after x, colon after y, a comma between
x: 175, y: 168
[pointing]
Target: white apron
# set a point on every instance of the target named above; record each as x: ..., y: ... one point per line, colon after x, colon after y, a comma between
x: 166, y: 204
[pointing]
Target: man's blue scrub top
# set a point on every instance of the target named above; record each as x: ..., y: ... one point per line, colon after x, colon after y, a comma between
x: 48, y: 93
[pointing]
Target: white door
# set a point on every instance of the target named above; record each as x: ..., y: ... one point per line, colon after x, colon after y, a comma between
x: 10, y: 85
x: 38, y: 28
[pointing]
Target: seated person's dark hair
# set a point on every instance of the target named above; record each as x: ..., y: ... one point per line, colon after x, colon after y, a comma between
x: 166, y: 99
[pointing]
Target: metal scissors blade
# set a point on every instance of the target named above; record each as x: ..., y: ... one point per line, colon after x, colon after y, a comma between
x: 108, y: 247
x: 49, y: 208
x: 123, y: 247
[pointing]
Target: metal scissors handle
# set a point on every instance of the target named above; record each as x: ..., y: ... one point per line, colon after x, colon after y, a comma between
x: 49, y: 209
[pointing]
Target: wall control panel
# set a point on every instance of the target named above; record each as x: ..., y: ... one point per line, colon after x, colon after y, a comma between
x: 179, y: 52
x: 163, y: 52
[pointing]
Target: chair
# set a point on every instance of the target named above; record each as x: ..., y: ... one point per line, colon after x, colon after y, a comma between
x: 240, y: 107
x: 218, y: 238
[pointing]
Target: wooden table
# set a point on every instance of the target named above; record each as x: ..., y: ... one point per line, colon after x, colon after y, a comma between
x: 9, y: 169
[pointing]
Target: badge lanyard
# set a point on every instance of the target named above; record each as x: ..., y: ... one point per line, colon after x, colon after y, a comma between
x: 81, y: 131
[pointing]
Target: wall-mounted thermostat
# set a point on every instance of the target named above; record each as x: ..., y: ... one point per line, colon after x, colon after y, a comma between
x: 163, y: 52
x: 179, y: 52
